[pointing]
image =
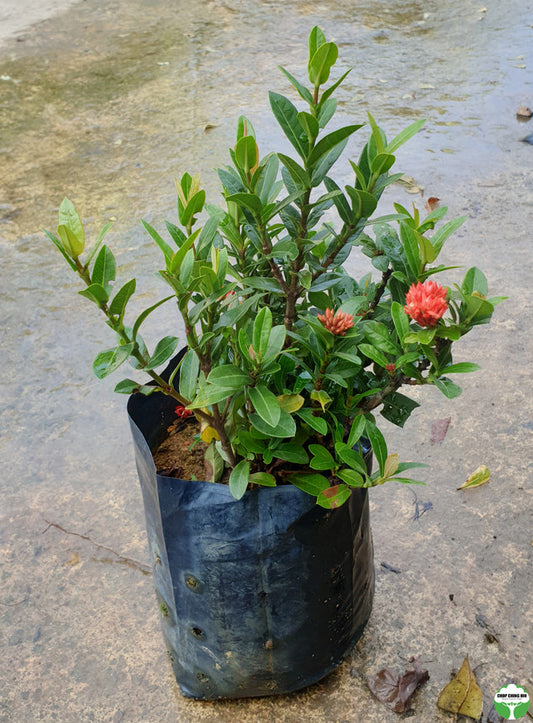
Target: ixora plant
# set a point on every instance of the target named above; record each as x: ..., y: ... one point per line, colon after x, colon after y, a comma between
x: 288, y: 357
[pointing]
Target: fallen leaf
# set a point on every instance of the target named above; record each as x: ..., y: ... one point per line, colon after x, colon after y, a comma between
x: 524, y: 112
x: 462, y: 694
x: 432, y: 203
x: 209, y: 127
x: 439, y: 429
x: 477, y: 478
x: 394, y: 690
x: 74, y: 560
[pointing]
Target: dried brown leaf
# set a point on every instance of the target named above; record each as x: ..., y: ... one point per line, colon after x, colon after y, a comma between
x: 394, y: 690
x: 439, y: 429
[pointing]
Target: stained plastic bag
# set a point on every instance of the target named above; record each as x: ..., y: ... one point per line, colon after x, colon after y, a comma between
x: 258, y: 596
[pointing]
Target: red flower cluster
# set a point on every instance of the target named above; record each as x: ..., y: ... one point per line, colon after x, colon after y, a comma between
x: 426, y: 303
x: 182, y: 412
x: 338, y: 323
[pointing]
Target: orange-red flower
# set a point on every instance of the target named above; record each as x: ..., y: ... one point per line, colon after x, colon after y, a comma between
x: 182, y: 412
x: 426, y: 303
x: 338, y: 323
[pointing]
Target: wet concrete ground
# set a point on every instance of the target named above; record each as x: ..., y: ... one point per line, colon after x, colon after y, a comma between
x: 106, y: 103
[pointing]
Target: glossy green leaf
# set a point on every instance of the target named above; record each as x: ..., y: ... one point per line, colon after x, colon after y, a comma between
x: 262, y: 329
x: 333, y: 497
x: 322, y: 458
x: 329, y: 142
x: 303, y: 92
x: 108, y: 361
x: 165, y: 248
x: 121, y: 298
x: 239, y: 478
x: 319, y: 424
x: 95, y: 293
x: 356, y: 430
x: 286, y: 426
x: 229, y: 377
x: 291, y: 452
x: 461, y: 368
x: 321, y: 63
x: 262, y: 478
x: 287, y: 116
x: 265, y: 404
x: 379, y: 446
x: 104, y: 268
x: 447, y: 387
x: 351, y: 457
x: 397, y: 408
x: 404, y: 136
x: 311, y: 483
x: 143, y: 315
x: 164, y: 350
x: 351, y: 477
x: 189, y: 370
x: 70, y: 220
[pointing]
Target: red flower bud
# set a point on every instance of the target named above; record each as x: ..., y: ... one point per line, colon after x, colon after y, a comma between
x: 182, y: 412
x: 426, y: 303
x: 338, y: 323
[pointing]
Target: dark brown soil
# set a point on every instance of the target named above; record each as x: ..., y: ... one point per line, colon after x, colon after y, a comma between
x: 181, y: 455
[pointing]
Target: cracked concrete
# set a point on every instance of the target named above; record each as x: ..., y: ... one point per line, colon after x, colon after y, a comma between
x: 107, y: 102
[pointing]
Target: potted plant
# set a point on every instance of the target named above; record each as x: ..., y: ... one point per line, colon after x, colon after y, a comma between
x: 262, y: 553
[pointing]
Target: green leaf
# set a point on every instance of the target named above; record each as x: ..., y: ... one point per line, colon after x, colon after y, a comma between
x: 474, y: 281
x: 143, y: 315
x: 298, y: 174
x: 410, y: 246
x: 316, y: 39
x: 239, y: 478
x: 317, y: 423
x: 442, y: 234
x: 262, y: 328
x: 447, y: 387
x: 321, y: 63
x: 246, y: 153
x: 311, y: 483
x: 59, y: 246
x: 329, y: 142
x: 372, y: 353
x: 309, y: 125
x: 461, y: 368
x: 229, y: 377
x: 351, y: 457
x: 378, y: 335
x: 351, y: 477
x: 286, y: 426
x: 333, y: 497
x: 248, y: 200
x: 127, y: 386
x: 379, y: 446
x: 291, y: 452
x: 404, y: 136
x: 194, y: 206
x: 397, y: 408
x: 95, y: 293
x: 189, y: 370
x: 104, y: 268
x: 381, y: 163
x: 110, y: 360
x: 165, y: 248
x: 262, y: 478
x: 121, y: 298
x: 265, y: 404
x: 287, y: 116
x: 163, y: 351
x: 303, y: 92
x: 357, y: 430
x: 69, y: 219
x: 211, y: 394
x: 322, y: 458
x: 400, y: 319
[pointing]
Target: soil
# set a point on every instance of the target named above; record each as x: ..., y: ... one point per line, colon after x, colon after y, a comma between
x: 181, y: 455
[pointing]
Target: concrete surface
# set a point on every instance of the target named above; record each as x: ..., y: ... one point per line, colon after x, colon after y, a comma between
x: 106, y: 102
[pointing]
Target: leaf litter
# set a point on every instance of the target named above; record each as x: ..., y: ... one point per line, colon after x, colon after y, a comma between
x: 395, y: 690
